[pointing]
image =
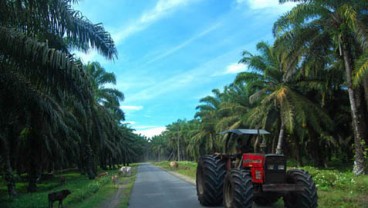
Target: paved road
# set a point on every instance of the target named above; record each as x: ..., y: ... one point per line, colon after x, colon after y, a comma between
x: 155, y: 188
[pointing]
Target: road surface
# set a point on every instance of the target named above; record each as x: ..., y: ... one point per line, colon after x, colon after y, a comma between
x: 156, y: 188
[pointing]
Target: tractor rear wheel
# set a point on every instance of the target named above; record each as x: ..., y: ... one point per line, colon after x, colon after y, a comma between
x: 210, y: 176
x: 238, y: 189
x: 305, y: 199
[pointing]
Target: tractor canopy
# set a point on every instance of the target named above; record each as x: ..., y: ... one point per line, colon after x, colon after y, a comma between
x: 246, y: 131
x: 242, y: 136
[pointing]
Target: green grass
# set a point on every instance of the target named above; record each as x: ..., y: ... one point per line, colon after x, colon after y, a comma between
x: 185, y: 167
x: 124, y: 202
x: 85, y: 192
x: 336, y: 189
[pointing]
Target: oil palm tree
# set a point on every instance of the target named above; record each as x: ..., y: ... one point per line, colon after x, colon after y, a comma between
x: 234, y: 107
x: 209, y: 115
x: 275, y: 90
x: 340, y: 24
x: 106, y: 112
x: 37, y: 67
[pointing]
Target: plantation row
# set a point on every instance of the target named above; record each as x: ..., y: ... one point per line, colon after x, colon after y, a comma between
x: 56, y: 113
x: 309, y: 89
x: 335, y: 188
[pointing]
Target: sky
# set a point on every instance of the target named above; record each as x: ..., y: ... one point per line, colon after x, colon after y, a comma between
x: 172, y: 53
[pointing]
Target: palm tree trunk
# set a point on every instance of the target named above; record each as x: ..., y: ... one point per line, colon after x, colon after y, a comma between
x: 365, y: 85
x: 359, y: 152
x: 273, y: 145
x: 281, y: 138
x: 255, y: 146
x: 35, y: 150
x: 90, y: 163
x: 365, y: 103
x: 9, y: 177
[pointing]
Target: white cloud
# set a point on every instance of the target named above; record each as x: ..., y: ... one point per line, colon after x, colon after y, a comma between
x: 263, y: 4
x: 185, y: 43
x: 185, y: 78
x: 131, y: 107
x: 235, y: 68
x: 162, y: 9
x: 150, y: 132
x: 90, y: 56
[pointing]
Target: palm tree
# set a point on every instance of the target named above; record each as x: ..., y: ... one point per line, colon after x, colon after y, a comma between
x: 36, y: 66
x: 106, y: 112
x: 275, y: 90
x: 233, y: 107
x: 209, y: 115
x: 107, y: 97
x: 158, y: 146
x: 333, y: 24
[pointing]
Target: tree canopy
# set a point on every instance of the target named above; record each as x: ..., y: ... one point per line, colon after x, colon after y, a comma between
x: 309, y: 88
x: 56, y: 112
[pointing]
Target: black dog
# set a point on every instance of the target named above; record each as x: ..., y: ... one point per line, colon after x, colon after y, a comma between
x: 58, y: 196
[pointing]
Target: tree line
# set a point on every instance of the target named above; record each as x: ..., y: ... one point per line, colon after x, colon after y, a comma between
x: 309, y: 88
x: 57, y: 112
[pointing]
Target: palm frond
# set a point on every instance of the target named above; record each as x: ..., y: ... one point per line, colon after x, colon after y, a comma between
x: 361, y: 73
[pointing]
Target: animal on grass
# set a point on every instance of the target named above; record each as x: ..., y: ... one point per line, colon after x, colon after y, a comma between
x: 174, y: 164
x: 115, y: 179
x: 102, y: 174
x: 125, y: 171
x: 122, y: 171
x: 58, y: 196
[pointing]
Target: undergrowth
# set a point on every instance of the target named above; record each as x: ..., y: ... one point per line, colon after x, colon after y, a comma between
x: 336, y: 188
x: 84, y: 192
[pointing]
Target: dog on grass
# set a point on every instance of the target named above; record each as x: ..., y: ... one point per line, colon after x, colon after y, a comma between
x: 58, y: 196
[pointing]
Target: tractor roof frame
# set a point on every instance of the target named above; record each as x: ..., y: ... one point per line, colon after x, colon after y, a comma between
x: 246, y: 131
x: 239, y: 132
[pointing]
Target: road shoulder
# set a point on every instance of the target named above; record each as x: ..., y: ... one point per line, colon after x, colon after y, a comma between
x: 181, y: 176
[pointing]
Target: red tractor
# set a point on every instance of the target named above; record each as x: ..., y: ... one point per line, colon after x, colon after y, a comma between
x: 241, y: 176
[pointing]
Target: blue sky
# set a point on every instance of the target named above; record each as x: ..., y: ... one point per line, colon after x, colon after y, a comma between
x: 172, y: 53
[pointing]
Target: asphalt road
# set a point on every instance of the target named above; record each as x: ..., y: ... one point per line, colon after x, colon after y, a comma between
x: 156, y: 188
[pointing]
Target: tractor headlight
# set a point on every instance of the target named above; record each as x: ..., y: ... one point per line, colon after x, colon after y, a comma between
x: 275, y: 167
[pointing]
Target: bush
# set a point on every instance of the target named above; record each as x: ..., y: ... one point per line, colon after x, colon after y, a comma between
x: 326, y: 179
x: 93, y: 187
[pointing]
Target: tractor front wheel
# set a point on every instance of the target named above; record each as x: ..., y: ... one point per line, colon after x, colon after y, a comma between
x: 238, y: 189
x: 305, y: 199
x: 210, y: 176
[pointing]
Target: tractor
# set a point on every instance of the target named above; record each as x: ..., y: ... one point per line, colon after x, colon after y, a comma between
x: 245, y: 174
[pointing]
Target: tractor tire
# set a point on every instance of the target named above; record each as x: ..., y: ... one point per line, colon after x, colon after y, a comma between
x: 238, y: 189
x: 266, y: 199
x: 306, y: 199
x: 210, y: 176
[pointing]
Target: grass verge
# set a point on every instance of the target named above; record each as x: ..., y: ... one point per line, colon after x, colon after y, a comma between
x: 186, y: 168
x: 336, y: 188
x: 128, y: 186
x: 85, y: 192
